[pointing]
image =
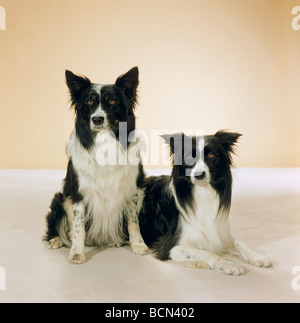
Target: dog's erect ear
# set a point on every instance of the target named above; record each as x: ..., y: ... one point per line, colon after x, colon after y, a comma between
x: 129, y: 82
x: 175, y: 142
x: 228, y: 139
x: 76, y: 84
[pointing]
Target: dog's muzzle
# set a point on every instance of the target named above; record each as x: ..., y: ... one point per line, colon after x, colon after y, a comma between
x: 200, y: 176
x: 98, y: 120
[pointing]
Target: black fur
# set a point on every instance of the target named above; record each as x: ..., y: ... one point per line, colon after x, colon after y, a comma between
x: 54, y: 216
x: 159, y: 216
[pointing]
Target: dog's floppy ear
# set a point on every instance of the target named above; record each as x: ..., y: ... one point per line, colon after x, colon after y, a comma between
x: 76, y: 84
x: 129, y: 82
x: 228, y: 139
x: 175, y: 142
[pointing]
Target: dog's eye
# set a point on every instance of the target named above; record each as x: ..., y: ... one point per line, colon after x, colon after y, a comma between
x: 210, y: 155
x: 90, y: 102
x: 111, y: 101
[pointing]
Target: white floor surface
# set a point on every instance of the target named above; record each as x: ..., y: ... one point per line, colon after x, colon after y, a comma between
x: 265, y: 214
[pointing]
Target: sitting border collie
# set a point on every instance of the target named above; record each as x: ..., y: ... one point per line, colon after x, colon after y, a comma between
x: 185, y: 216
x: 99, y: 199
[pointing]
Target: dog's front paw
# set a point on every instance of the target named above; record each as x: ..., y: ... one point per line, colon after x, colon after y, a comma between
x: 228, y: 268
x: 140, y: 249
x: 260, y: 261
x: 76, y: 259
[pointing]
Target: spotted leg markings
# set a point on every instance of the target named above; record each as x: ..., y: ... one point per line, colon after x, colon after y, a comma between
x: 78, y: 235
x: 136, y: 240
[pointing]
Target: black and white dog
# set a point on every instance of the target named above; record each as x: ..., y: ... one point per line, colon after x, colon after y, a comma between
x: 100, y: 203
x: 185, y: 216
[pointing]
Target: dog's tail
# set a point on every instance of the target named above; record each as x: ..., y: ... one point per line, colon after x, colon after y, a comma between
x: 54, y: 217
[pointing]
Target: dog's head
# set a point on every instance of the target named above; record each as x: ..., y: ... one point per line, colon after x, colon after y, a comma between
x: 102, y: 107
x: 202, y: 160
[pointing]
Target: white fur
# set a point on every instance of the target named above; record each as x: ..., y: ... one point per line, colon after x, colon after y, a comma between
x: 207, y: 228
x: 200, y: 166
x: 205, y: 235
x: 109, y: 193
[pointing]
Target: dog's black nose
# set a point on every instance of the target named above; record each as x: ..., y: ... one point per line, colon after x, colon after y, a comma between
x: 97, y: 121
x: 199, y: 176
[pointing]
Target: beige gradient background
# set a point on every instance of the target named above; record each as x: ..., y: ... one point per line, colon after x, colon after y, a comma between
x: 204, y: 64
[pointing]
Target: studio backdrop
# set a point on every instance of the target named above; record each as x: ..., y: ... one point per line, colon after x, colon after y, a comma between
x: 204, y: 64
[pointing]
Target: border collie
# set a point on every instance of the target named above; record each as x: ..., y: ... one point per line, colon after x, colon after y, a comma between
x: 98, y: 200
x: 185, y: 216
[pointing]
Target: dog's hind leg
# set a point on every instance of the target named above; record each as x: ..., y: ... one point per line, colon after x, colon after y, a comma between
x: 55, y: 243
x: 202, y: 258
x: 136, y: 240
x: 55, y: 221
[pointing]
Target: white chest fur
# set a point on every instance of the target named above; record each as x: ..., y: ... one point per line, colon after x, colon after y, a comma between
x: 107, y: 191
x: 206, y: 228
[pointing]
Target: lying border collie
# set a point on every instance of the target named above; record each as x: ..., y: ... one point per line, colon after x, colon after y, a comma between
x: 99, y: 199
x: 185, y: 215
